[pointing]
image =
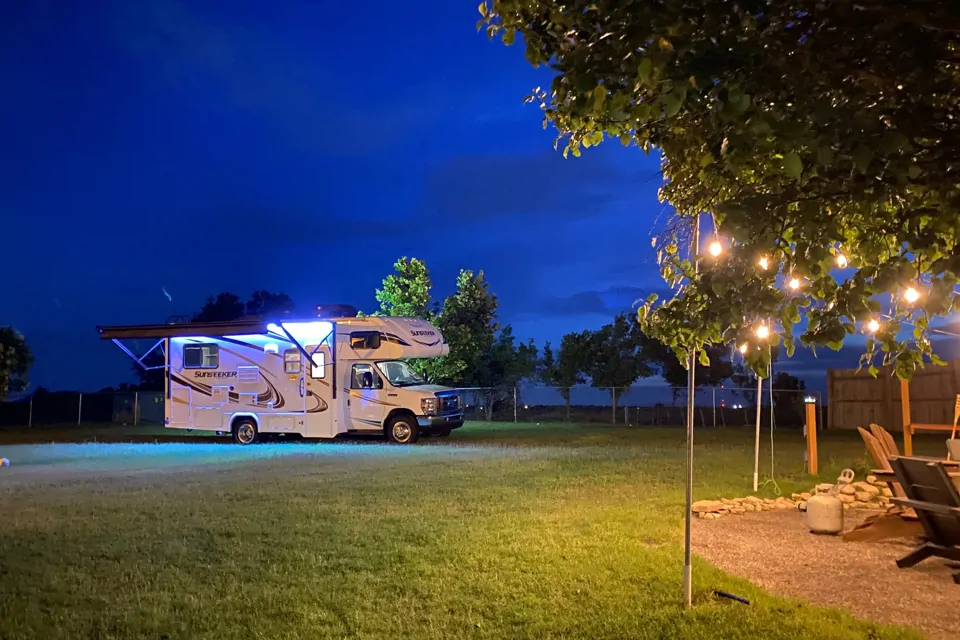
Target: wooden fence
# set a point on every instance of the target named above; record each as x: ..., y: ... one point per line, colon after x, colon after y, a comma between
x: 858, y: 399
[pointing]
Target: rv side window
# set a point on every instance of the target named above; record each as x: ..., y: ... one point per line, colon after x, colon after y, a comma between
x: 291, y: 361
x: 201, y: 356
x: 319, y: 368
x: 363, y: 376
x: 365, y: 340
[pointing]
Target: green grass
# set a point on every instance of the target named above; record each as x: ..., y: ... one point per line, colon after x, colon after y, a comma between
x: 529, y: 531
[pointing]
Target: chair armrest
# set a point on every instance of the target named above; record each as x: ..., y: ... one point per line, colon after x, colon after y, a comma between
x: 931, y: 507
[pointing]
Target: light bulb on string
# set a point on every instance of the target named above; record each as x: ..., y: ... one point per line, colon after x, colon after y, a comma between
x: 911, y: 295
x: 715, y: 248
x: 794, y: 284
x: 762, y: 332
x: 873, y: 326
x: 764, y: 263
x: 743, y: 348
x: 841, y: 260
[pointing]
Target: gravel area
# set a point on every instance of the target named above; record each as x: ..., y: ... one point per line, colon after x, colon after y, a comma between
x: 774, y: 550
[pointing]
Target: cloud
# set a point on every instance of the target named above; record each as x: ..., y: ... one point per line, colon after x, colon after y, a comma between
x: 483, y: 187
x: 607, y: 302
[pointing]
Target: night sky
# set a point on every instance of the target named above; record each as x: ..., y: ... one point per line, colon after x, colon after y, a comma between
x: 302, y: 147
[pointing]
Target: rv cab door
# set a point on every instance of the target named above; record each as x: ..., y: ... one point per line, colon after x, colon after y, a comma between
x: 367, y: 405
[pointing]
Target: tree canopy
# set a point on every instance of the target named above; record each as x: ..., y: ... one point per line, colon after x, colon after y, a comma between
x: 479, y: 356
x: 823, y: 138
x: 15, y: 361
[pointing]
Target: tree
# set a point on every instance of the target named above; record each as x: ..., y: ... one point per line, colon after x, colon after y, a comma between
x: 616, y: 360
x: 15, y: 361
x: 269, y: 305
x: 568, y: 368
x: 225, y: 307
x: 820, y: 136
x: 406, y: 293
x: 674, y: 372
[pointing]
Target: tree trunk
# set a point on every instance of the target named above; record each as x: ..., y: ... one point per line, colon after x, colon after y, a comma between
x: 566, y: 400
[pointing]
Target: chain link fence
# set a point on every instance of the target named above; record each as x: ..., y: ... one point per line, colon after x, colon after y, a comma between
x: 638, y: 405
x: 71, y: 407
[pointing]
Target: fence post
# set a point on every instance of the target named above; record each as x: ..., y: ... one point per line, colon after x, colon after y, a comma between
x: 79, y: 407
x: 613, y: 405
x: 514, y: 404
x: 626, y: 416
x: 714, y: 389
x: 30, y: 415
x: 136, y: 408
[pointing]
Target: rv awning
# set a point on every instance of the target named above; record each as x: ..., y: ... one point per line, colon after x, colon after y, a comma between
x: 186, y: 329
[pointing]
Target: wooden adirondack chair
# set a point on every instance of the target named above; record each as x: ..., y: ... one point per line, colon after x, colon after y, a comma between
x: 879, y: 452
x: 886, y: 440
x: 936, y: 501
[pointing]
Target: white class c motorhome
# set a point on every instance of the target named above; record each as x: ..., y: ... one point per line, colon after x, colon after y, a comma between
x: 318, y: 378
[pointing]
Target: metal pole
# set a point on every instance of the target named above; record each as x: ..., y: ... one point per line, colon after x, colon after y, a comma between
x: 30, y: 417
x: 756, y: 446
x: 514, y: 404
x: 79, y: 408
x: 714, y: 390
x: 613, y: 406
x: 691, y: 378
x: 626, y: 416
x: 136, y: 408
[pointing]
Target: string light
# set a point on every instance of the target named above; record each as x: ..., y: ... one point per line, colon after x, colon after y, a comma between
x: 763, y: 332
x: 841, y: 260
x: 764, y: 263
x: 794, y: 284
x: 873, y: 326
x: 743, y: 348
x: 911, y: 295
x: 715, y: 248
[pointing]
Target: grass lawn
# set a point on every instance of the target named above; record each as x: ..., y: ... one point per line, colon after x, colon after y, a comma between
x: 500, y: 531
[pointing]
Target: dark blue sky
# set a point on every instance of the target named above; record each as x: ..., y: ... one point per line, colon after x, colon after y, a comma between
x: 292, y: 146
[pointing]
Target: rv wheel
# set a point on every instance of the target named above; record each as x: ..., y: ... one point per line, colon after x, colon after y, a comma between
x: 245, y: 431
x: 403, y: 430
x: 442, y: 433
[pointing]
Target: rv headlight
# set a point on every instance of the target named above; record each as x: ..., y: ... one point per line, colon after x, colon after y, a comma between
x: 429, y: 406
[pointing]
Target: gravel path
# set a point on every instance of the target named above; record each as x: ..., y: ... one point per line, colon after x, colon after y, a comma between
x: 774, y: 550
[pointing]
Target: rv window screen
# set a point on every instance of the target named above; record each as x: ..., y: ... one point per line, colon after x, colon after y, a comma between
x: 291, y: 361
x: 201, y: 356
x: 319, y: 368
x: 365, y: 340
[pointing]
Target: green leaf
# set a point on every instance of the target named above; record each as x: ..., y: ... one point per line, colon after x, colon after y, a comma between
x: 862, y: 158
x: 824, y: 155
x: 706, y: 160
x: 704, y: 358
x: 483, y: 9
x: 599, y: 98
x: 673, y: 101
x: 792, y: 165
x: 644, y: 70
x: 873, y: 371
x: 509, y: 36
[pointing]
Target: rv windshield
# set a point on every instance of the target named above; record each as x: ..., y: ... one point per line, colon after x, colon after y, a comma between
x: 399, y: 373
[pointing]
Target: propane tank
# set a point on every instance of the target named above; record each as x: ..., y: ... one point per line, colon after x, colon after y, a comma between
x: 825, y: 510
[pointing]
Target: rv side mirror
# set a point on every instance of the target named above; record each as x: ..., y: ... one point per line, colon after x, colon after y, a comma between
x: 366, y: 380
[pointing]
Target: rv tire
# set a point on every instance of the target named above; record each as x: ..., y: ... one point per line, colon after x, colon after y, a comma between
x: 442, y: 433
x: 245, y: 431
x: 403, y: 429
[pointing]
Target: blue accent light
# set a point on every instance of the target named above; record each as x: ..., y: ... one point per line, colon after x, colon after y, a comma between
x: 315, y: 332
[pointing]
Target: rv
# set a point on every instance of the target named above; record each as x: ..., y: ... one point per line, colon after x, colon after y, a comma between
x: 317, y: 378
